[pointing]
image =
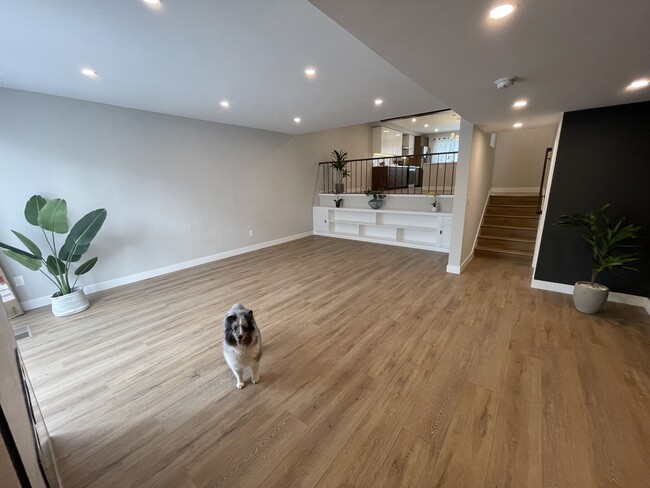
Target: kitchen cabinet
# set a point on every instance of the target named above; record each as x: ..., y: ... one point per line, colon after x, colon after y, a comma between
x: 408, y: 144
x: 391, y: 177
x: 421, y: 148
x: 386, y: 141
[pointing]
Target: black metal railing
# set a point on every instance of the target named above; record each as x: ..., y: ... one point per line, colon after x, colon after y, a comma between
x: 414, y: 174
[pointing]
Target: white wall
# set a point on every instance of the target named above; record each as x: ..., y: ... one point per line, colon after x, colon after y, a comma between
x: 473, y: 181
x: 176, y: 189
x: 520, y: 157
x: 480, y: 181
x: 466, y: 137
x: 356, y: 140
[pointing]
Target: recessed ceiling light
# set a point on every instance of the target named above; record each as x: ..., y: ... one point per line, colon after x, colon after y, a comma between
x: 638, y: 84
x: 413, y: 119
x: 155, y: 3
x: 502, y: 11
x: 520, y: 103
x: 310, y: 72
x: 435, y: 130
x: 296, y: 120
x: 378, y: 101
x: 89, y: 73
x: 426, y: 125
x: 224, y: 103
x: 517, y: 125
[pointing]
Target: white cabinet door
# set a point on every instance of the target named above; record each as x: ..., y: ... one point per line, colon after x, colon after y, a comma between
x: 320, y: 220
x: 386, y: 141
x: 445, y: 235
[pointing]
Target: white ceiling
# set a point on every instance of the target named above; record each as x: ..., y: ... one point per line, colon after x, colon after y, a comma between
x: 569, y: 54
x: 186, y: 56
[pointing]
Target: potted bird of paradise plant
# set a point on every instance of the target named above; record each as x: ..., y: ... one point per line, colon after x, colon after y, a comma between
x: 52, y: 218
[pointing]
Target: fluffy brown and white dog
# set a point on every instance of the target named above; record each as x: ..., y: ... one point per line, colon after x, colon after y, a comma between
x: 242, y: 343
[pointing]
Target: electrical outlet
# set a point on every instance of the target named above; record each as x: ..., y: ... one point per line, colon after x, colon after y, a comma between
x: 19, y: 281
x: 250, y: 233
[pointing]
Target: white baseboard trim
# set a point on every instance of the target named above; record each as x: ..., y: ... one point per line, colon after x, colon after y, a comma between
x: 519, y: 189
x: 635, y: 300
x: 145, y: 275
x: 459, y: 269
x: 552, y: 286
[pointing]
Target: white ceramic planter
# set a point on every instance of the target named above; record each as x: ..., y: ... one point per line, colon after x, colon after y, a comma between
x: 589, y: 297
x: 70, y: 304
x: 434, y: 209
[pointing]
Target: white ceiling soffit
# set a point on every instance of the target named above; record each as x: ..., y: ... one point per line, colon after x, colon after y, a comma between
x: 184, y: 58
x: 447, y: 121
x: 567, y: 54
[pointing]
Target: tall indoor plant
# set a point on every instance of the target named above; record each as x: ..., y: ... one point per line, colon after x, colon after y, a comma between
x: 608, y: 240
x: 338, y: 162
x: 52, y: 217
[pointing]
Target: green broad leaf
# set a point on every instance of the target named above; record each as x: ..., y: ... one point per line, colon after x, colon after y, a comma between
x: 28, y: 260
x: 34, y: 249
x: 55, y: 266
x: 33, y: 208
x: 82, y: 234
x: 54, y: 216
x: 85, y: 267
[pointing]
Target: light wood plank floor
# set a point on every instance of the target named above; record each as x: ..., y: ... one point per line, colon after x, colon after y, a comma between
x: 379, y: 370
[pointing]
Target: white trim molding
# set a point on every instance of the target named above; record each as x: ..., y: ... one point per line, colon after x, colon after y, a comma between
x: 635, y: 300
x: 459, y: 269
x: 145, y: 275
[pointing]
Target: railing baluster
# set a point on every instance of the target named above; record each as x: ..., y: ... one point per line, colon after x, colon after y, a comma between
x: 398, y: 176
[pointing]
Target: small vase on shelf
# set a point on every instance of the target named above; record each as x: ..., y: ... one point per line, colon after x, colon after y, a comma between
x: 376, y: 203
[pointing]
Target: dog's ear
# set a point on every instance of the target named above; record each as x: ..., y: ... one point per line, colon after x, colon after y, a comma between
x: 249, y: 317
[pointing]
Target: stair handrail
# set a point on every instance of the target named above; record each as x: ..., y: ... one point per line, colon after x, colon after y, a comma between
x: 540, y: 197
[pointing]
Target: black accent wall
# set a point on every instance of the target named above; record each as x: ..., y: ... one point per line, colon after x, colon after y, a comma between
x: 603, y: 157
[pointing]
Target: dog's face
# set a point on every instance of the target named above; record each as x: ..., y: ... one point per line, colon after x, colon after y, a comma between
x: 239, y: 327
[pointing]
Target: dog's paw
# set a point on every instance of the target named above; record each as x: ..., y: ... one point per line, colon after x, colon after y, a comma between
x: 240, y: 385
x: 255, y: 380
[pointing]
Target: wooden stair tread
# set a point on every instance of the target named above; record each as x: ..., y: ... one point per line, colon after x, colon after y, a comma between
x: 509, y: 227
x: 516, y: 216
x: 518, y: 205
x: 512, y: 227
x: 506, y: 238
x: 514, y: 252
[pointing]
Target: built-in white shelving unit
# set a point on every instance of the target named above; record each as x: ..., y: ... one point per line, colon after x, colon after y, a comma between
x: 421, y: 230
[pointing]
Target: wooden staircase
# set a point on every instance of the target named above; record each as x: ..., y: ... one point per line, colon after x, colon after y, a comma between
x: 509, y: 228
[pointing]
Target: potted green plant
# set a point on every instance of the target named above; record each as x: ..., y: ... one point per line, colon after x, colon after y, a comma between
x: 434, y: 203
x: 338, y: 162
x: 608, y: 240
x: 338, y: 201
x: 52, y: 217
x: 377, y: 199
